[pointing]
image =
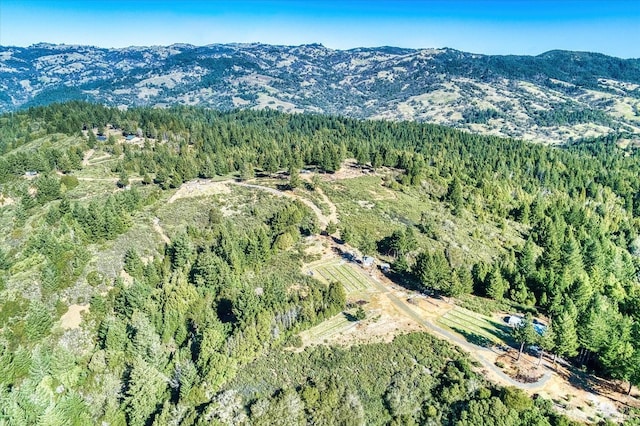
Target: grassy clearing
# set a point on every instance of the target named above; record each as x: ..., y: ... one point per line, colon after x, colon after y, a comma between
x: 58, y: 141
x: 339, y: 270
x: 88, y: 190
x: 98, y: 170
x: 246, y: 206
x: 328, y: 328
x: 476, y: 328
x: 369, y: 208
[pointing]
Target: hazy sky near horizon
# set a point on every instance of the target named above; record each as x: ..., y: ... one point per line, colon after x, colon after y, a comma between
x: 484, y: 26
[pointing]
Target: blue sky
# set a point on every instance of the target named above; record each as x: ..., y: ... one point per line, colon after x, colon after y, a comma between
x: 484, y: 26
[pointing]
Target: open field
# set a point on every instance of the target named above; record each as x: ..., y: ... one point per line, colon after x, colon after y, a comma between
x: 475, y: 328
x: 351, y: 277
x: 328, y: 329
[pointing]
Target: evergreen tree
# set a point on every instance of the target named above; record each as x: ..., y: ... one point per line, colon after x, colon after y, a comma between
x: 331, y: 228
x: 454, y: 195
x: 346, y: 234
x: 132, y: 263
x: 434, y: 271
x: 38, y: 321
x: 547, y: 341
x: 566, y: 338
x: 246, y: 171
x: 294, y: 177
x: 427, y: 225
x: 91, y: 139
x: 4, y: 262
x: 496, y: 285
x: 524, y: 333
x: 181, y: 251
x: 144, y: 394
x: 48, y: 188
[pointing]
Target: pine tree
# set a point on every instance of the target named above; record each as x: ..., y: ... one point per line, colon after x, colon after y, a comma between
x: 426, y: 225
x: 294, y: 177
x: 331, y: 228
x: 132, y: 263
x: 360, y: 314
x: 496, y: 285
x: 91, y: 139
x: 4, y: 262
x: 595, y: 328
x: 145, y: 389
x: 38, y: 321
x: 181, y: 250
x: 547, y: 341
x: 246, y: 171
x: 434, y: 271
x: 346, y: 234
x: 566, y: 338
x: 571, y: 257
x: 526, y: 263
x: 524, y: 333
x: 65, y: 206
x: 454, y: 196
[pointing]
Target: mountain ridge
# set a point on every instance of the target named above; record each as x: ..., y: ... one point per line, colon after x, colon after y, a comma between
x: 554, y: 97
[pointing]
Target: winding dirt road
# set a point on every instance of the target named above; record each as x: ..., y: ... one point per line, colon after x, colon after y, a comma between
x: 202, y: 187
x: 322, y: 218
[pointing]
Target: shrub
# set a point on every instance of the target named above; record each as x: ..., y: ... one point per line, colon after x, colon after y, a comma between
x: 69, y: 181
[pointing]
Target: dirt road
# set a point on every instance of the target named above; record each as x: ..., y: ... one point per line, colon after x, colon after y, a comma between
x: 203, y: 187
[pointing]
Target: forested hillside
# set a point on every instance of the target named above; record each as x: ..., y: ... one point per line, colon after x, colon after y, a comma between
x: 551, y: 98
x: 189, y: 303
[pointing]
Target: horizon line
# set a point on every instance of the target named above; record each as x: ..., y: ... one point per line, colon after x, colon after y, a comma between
x: 320, y: 44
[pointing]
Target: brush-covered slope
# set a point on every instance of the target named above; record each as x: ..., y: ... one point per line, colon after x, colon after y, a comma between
x: 553, y: 97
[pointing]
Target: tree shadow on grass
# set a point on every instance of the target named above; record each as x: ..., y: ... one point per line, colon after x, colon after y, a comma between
x: 474, y: 338
x: 350, y: 317
x: 500, y: 335
x: 406, y: 281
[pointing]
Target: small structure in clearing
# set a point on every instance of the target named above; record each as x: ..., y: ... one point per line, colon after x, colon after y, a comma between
x: 515, y: 321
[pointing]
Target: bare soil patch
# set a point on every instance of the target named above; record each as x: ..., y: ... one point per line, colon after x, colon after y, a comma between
x: 87, y: 157
x: 160, y: 231
x: 350, y: 169
x: 6, y: 201
x: 382, y: 323
x: 199, y: 188
x: 585, y: 397
x: 523, y: 371
x: 73, y: 317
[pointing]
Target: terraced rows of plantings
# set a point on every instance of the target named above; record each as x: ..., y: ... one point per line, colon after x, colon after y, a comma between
x: 329, y: 327
x: 474, y: 326
x: 340, y: 271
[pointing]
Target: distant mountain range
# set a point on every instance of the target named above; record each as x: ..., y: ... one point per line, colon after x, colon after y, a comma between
x: 553, y: 97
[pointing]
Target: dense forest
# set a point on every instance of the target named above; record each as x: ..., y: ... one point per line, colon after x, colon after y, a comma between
x: 182, y: 335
